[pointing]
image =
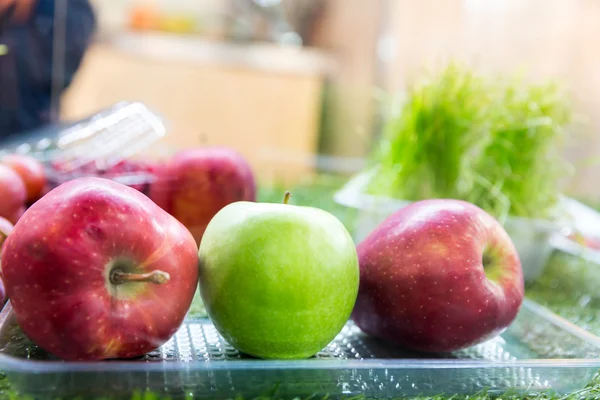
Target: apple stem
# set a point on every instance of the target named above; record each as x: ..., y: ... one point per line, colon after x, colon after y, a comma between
x: 118, y: 277
x: 286, y: 197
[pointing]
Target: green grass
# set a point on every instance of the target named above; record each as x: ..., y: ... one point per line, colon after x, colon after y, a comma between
x: 568, y: 287
x: 492, y: 141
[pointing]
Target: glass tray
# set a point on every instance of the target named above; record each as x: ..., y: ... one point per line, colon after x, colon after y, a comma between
x: 539, y: 351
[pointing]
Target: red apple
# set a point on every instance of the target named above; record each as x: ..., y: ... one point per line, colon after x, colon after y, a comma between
x: 12, y: 192
x: 31, y: 171
x: 96, y: 270
x: 438, y: 276
x: 196, y: 183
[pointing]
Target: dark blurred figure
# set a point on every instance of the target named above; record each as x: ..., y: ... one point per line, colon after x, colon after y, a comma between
x: 27, y: 47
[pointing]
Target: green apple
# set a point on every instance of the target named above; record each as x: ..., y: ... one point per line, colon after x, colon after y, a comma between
x: 278, y: 281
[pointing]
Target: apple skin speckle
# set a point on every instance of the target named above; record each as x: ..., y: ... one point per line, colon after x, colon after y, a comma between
x: 420, y: 297
x: 64, y: 301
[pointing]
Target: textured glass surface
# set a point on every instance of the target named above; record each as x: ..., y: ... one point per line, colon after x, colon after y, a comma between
x: 539, y: 351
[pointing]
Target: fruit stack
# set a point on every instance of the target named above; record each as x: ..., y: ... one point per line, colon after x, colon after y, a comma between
x: 22, y: 180
x: 95, y: 269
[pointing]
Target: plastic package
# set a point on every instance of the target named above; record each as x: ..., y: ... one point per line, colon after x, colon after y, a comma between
x: 538, y: 351
x: 101, y: 145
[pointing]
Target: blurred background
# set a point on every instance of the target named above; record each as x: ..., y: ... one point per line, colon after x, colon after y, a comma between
x: 285, y: 81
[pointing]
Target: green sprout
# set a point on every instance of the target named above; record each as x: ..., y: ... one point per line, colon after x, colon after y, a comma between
x: 492, y: 141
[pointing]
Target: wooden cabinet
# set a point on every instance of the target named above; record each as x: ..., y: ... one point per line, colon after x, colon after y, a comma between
x: 265, y: 101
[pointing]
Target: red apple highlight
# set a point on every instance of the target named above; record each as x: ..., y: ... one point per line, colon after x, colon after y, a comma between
x: 438, y: 276
x: 6, y: 229
x: 31, y: 171
x: 96, y: 270
x: 12, y: 192
x: 195, y: 184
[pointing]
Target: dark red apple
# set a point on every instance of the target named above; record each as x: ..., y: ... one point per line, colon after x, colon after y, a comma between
x: 31, y: 171
x: 12, y: 192
x: 438, y: 276
x: 96, y: 270
x: 196, y: 183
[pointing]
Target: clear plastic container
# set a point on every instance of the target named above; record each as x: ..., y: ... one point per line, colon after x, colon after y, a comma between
x: 539, y: 351
x: 102, y: 145
x: 581, y: 237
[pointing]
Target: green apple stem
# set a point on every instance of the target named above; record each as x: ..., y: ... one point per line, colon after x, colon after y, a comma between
x: 286, y: 197
x: 118, y: 277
